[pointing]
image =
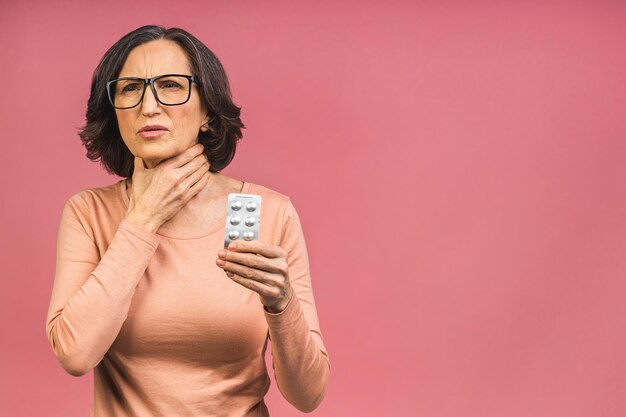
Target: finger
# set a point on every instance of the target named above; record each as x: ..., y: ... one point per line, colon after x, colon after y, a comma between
x: 185, y: 157
x: 192, y: 185
x: 187, y: 175
x: 272, y: 279
x: 273, y: 265
x: 200, y: 184
x: 192, y: 177
x: 198, y: 163
x: 256, y: 246
x: 260, y: 288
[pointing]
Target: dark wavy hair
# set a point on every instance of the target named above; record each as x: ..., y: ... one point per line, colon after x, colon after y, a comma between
x: 101, y: 135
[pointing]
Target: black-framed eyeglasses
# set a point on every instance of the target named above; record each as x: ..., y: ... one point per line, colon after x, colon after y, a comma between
x: 168, y: 89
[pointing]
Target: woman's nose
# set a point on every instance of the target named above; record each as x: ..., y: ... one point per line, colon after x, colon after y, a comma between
x: 149, y: 104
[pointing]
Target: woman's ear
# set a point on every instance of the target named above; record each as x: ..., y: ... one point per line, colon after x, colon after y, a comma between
x: 205, y: 125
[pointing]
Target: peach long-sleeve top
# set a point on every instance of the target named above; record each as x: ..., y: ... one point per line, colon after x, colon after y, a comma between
x: 166, y: 332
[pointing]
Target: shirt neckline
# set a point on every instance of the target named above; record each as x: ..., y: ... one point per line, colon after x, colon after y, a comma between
x: 173, y: 234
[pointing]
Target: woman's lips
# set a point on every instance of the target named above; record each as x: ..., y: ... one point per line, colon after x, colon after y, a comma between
x: 152, y: 133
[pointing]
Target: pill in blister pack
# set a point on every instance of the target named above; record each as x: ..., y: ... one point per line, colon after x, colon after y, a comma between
x: 243, y: 216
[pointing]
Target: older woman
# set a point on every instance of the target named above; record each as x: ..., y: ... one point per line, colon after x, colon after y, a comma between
x: 145, y: 294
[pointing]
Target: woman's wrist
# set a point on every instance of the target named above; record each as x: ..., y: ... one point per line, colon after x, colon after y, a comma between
x: 144, y: 222
x: 280, y: 306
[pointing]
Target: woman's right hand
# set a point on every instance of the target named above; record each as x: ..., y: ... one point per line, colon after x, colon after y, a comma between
x: 159, y: 193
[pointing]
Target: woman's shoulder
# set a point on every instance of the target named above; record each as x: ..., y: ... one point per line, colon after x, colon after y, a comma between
x: 94, y: 197
x: 97, y: 209
x: 268, y: 194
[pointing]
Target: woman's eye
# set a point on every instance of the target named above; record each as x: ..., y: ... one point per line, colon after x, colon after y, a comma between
x: 130, y: 88
x: 170, y: 85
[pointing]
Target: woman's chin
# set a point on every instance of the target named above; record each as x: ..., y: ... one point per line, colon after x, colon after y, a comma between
x: 155, y: 152
x: 152, y: 159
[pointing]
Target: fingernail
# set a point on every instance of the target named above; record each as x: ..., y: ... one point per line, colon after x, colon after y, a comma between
x: 220, y: 262
x: 221, y: 254
x: 232, y: 245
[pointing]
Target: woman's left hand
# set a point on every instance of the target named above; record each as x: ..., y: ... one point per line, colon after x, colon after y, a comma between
x: 260, y: 267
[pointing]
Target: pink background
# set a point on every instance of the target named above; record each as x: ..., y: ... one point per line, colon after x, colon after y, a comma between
x: 458, y: 168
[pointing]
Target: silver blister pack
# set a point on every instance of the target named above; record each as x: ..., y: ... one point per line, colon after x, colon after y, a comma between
x: 243, y: 216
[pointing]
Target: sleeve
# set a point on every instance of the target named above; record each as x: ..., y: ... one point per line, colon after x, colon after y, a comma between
x: 300, y: 360
x: 91, y: 296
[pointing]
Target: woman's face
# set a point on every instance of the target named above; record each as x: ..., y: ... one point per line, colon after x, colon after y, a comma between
x: 182, y: 123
